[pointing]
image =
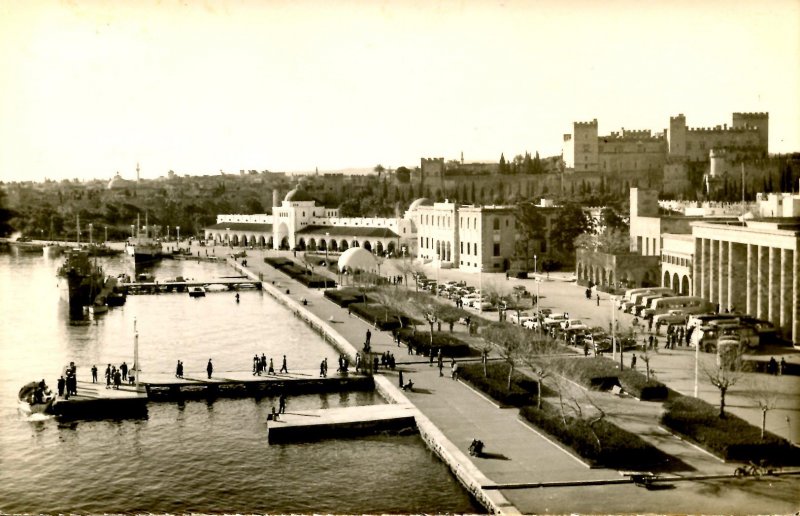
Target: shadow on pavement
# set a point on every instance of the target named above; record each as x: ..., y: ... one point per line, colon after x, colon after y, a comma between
x: 497, y: 456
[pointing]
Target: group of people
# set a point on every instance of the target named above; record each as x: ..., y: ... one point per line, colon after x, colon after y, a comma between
x: 263, y: 366
x: 113, y: 375
x: 344, y: 365
x: 774, y: 368
x: 68, y: 383
x: 675, y: 336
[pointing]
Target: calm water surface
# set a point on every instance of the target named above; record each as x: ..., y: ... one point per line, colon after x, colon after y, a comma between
x: 195, y: 456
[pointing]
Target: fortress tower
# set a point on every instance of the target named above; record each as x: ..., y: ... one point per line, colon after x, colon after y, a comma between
x: 677, y: 136
x: 585, y: 146
x: 759, y: 121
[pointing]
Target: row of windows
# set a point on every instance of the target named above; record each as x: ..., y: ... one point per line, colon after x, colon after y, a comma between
x: 443, y: 221
x: 676, y: 260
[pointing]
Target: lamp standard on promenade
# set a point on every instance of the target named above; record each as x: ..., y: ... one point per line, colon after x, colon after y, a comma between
x: 90, y: 233
x: 178, y: 229
x: 327, y: 244
x: 613, y: 333
x: 534, y: 265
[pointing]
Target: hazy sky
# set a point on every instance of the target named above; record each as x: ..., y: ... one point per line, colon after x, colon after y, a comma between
x: 88, y: 88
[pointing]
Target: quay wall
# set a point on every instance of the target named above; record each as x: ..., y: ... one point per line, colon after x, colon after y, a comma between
x: 470, y: 476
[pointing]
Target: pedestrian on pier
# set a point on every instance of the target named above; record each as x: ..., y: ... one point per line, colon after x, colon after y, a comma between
x: 375, y: 363
x: 61, y: 384
x: 94, y: 374
x: 358, y: 362
x: 108, y: 376
x: 322, y: 373
x: 284, y: 369
x: 263, y: 362
x: 124, y: 370
x: 282, y: 403
x: 369, y: 336
x: 117, y: 379
x: 256, y: 365
x: 271, y: 369
x: 209, y: 368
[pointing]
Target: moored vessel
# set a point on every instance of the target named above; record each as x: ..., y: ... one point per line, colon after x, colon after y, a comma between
x: 36, y: 398
x: 84, y: 279
x: 144, y: 249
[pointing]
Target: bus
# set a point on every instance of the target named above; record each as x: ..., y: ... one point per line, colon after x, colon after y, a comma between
x: 636, y: 298
x: 688, y: 304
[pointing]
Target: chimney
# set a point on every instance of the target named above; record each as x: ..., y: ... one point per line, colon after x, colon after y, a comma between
x: 275, y: 198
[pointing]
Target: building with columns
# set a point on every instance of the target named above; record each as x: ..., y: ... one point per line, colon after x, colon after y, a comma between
x: 753, y: 267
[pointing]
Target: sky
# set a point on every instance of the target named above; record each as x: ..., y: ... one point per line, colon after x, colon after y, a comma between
x: 91, y: 88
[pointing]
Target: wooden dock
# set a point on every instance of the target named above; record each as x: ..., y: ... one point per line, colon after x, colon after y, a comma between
x: 312, y: 425
x: 162, y: 287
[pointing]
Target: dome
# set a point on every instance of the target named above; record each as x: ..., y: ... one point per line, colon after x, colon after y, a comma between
x: 357, y: 258
x: 118, y: 182
x: 422, y: 201
x: 297, y: 195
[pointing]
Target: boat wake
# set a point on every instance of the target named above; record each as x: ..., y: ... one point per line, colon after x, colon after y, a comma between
x: 35, y: 418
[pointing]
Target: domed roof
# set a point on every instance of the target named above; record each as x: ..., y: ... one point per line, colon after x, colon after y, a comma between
x: 357, y: 258
x: 297, y: 195
x: 119, y: 182
x: 422, y: 201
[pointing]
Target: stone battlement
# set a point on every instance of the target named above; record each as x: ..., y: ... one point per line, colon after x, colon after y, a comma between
x: 752, y: 115
x: 593, y: 123
x: 634, y: 136
x: 722, y: 129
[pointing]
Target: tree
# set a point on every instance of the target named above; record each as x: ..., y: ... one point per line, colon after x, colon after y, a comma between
x: 502, y: 167
x: 533, y: 356
x: 766, y: 397
x: 572, y: 221
x: 508, y: 341
x: 725, y: 373
x: 531, y: 226
x: 379, y: 169
x: 403, y: 175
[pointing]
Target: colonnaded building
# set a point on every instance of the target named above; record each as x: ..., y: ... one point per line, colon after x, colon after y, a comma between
x: 742, y: 257
x: 467, y: 237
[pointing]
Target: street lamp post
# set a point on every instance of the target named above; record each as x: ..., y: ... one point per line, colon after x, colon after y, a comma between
x: 105, y: 228
x: 327, y: 244
x: 697, y: 369
x: 167, y: 240
x: 534, y: 265
x: 178, y: 241
x: 90, y: 233
x: 613, y: 333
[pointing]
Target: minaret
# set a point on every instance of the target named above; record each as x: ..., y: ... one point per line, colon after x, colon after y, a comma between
x: 137, y: 171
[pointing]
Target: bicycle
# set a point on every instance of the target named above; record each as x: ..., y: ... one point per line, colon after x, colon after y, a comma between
x: 751, y: 470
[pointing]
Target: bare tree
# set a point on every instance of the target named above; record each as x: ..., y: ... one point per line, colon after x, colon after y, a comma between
x: 766, y: 398
x: 391, y: 299
x: 534, y: 356
x: 405, y: 267
x: 508, y: 341
x: 725, y: 372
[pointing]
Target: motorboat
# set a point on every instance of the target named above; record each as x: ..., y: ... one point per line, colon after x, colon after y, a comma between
x: 36, y: 398
x: 197, y: 292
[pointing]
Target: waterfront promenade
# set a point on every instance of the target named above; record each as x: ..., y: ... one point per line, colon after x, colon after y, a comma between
x: 519, y: 457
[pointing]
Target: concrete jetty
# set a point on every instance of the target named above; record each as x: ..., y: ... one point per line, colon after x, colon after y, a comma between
x: 245, y: 384
x: 347, y: 421
x: 95, y: 401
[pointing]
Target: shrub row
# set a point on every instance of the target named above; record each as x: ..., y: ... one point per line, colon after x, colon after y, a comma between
x: 602, y: 373
x: 420, y: 341
x: 344, y: 297
x: 300, y: 274
x: 617, y: 448
x: 731, y: 437
x: 380, y: 316
x: 523, y: 389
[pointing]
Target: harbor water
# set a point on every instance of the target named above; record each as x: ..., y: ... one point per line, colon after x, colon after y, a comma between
x: 193, y: 456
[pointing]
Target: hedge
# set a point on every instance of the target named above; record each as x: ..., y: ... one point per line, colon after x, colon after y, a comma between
x: 618, y: 448
x: 730, y: 438
x: 300, y: 274
x: 523, y: 389
x: 603, y: 373
x: 450, y: 345
x: 345, y: 297
x: 382, y: 317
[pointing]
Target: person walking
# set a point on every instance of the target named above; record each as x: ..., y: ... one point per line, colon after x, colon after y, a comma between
x: 108, y: 376
x: 633, y: 361
x: 282, y: 403
x: 284, y: 369
x: 322, y: 369
x: 62, y: 383
x: 209, y: 368
x: 271, y: 369
x: 598, y: 299
x: 124, y: 370
x: 369, y: 336
x: 178, y: 369
x: 94, y: 374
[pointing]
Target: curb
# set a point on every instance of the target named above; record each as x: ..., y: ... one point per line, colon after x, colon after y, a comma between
x: 578, y: 459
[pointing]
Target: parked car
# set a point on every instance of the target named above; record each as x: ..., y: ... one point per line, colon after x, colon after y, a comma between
x: 671, y: 317
x: 520, y: 317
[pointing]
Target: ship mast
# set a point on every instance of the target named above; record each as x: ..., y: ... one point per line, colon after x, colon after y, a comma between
x: 135, y: 355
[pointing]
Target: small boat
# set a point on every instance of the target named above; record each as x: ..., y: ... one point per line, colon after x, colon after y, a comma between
x: 98, y: 309
x: 197, y: 292
x: 36, y: 398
